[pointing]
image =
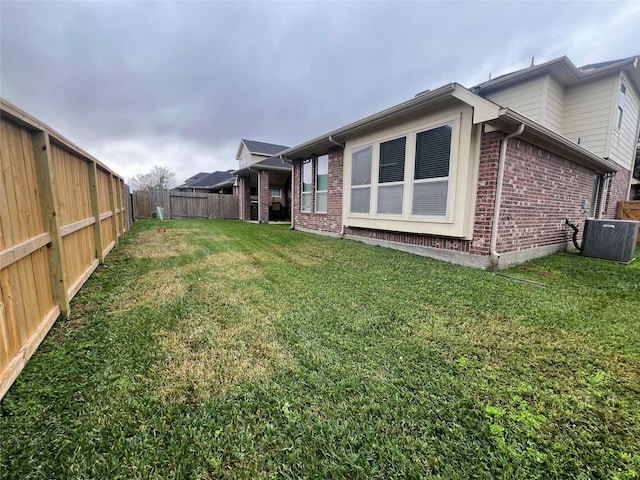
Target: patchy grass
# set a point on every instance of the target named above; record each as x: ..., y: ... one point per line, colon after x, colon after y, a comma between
x: 232, y: 350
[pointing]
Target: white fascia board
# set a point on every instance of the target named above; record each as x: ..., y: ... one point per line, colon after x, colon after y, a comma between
x: 483, y: 109
x: 240, y: 149
x: 377, y: 118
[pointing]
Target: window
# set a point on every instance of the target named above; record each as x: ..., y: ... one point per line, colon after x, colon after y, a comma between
x: 276, y: 192
x: 361, y: 159
x: 391, y: 176
x: 322, y: 183
x: 621, y: 99
x: 406, y: 177
x: 306, y: 186
x: 431, y: 177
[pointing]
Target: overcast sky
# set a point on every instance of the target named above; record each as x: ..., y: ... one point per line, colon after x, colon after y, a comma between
x: 178, y: 84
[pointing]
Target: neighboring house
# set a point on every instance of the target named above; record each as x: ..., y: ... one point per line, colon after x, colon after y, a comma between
x: 483, y: 177
x: 264, y: 182
x: 216, y: 182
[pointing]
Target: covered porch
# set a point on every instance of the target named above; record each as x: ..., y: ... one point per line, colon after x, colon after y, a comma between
x: 264, y: 191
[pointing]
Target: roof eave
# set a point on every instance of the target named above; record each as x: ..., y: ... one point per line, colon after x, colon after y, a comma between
x: 322, y: 142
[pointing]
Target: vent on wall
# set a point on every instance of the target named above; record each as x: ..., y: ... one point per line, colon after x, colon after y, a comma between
x: 610, y: 239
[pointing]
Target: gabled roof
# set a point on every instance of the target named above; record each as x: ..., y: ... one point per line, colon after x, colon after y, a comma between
x: 209, y: 180
x: 271, y: 163
x: 566, y: 72
x: 260, y: 148
x: 483, y: 111
x: 196, y: 177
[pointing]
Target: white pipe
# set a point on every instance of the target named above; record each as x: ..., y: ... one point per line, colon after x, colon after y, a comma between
x: 292, y: 205
x: 603, y: 195
x: 496, y: 209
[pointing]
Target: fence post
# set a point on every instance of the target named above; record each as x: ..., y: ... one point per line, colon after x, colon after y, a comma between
x: 49, y: 205
x: 122, y: 217
x: 95, y: 209
x: 112, y: 207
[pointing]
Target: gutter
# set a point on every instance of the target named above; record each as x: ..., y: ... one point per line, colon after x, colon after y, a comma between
x: 496, y: 208
x: 372, y: 120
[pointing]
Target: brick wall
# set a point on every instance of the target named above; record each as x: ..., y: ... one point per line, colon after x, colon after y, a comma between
x: 486, y: 192
x: 245, y: 198
x: 412, y: 239
x: 540, y: 190
x: 325, y: 222
x: 265, y: 196
x: 618, y: 186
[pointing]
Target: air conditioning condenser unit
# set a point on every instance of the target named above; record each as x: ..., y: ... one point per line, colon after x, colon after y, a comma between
x: 610, y: 239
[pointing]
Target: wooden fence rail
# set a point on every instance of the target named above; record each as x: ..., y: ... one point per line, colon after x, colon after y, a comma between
x: 629, y: 211
x: 61, y: 212
x: 185, y: 205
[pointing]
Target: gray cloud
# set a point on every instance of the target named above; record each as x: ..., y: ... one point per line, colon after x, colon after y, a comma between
x: 141, y: 83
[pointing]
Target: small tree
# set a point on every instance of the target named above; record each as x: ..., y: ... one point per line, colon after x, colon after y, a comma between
x: 157, y: 178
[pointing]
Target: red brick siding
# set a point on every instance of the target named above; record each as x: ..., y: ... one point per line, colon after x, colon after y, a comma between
x: 540, y: 190
x: 412, y: 239
x: 486, y: 192
x: 245, y: 198
x: 618, y: 186
x: 265, y: 196
x: 325, y: 222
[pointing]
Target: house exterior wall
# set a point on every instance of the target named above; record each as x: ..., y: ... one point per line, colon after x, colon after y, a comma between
x: 588, y: 113
x: 623, y: 140
x: 245, y: 198
x: 535, y: 202
x: 524, y: 98
x: 458, y: 220
x: 264, y: 193
x: 618, y: 190
x: 330, y: 222
x: 554, y: 106
x: 540, y: 189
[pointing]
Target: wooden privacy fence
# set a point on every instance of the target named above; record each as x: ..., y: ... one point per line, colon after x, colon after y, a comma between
x: 61, y: 212
x: 629, y: 211
x: 185, y: 205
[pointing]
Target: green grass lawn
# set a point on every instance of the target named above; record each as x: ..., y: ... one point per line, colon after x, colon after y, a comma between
x: 221, y: 349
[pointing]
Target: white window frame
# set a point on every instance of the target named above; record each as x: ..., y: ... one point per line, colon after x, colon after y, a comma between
x: 363, y: 186
x: 325, y: 157
x: 307, y: 194
x: 622, y: 97
x: 382, y: 185
x: 279, y: 195
x: 462, y: 180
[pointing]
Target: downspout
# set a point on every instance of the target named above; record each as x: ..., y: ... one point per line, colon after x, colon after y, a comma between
x: 496, y: 210
x: 604, y: 192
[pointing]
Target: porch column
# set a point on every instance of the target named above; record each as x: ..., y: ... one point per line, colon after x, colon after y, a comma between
x: 245, y: 198
x: 264, y: 196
